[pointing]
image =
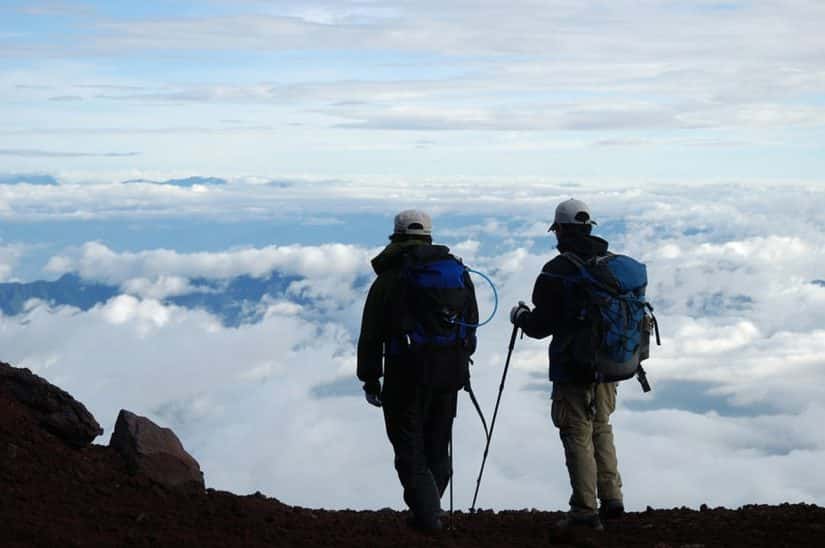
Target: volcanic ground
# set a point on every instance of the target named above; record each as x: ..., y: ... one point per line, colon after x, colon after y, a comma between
x: 55, y: 494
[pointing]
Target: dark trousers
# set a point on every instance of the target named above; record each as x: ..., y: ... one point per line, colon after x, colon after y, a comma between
x: 419, y: 421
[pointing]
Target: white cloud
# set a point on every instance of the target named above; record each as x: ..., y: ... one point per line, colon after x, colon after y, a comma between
x: 170, y: 269
x: 160, y: 288
x: 10, y: 256
x: 467, y: 250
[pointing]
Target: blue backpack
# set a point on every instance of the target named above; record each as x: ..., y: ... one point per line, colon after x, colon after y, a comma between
x: 616, y: 316
x: 436, y: 300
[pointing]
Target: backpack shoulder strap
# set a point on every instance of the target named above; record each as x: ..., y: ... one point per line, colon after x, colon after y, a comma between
x: 573, y: 258
x: 581, y: 263
x: 602, y: 258
x: 584, y: 270
x: 577, y: 262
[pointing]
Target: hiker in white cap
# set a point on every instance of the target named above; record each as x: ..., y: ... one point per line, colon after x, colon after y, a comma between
x: 418, y: 333
x: 581, y: 408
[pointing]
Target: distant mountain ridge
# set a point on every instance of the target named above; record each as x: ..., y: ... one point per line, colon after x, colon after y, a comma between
x: 28, y: 178
x: 235, y: 301
x: 69, y: 289
x: 186, y: 182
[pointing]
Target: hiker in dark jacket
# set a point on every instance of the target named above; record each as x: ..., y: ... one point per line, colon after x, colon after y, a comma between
x: 420, y: 382
x: 581, y: 409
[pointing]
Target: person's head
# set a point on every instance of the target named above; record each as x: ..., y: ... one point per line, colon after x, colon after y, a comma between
x: 572, y: 219
x: 412, y: 224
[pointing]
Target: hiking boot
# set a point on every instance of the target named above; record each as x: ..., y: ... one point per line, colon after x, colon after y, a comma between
x: 611, y: 509
x: 428, y: 525
x: 584, y: 522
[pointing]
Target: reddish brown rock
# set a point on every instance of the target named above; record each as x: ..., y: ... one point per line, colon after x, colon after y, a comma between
x: 55, y: 410
x: 155, y: 452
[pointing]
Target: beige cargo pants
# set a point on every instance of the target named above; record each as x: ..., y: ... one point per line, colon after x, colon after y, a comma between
x: 584, y: 427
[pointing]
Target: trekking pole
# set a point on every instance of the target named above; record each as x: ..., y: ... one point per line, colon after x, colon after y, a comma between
x: 495, y: 413
x: 452, y: 476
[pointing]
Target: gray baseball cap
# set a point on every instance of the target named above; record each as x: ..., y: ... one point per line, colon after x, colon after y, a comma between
x: 573, y: 212
x: 413, y: 222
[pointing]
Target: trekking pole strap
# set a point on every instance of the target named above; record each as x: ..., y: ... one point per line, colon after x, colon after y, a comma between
x: 641, y: 376
x: 656, y: 329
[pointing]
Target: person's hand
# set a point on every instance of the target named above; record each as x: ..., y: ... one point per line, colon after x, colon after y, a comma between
x: 517, y: 311
x: 372, y: 392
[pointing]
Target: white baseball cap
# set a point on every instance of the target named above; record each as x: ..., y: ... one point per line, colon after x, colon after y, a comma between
x: 413, y: 222
x: 572, y: 212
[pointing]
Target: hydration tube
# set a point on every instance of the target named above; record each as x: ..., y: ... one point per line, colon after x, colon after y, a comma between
x: 495, y: 302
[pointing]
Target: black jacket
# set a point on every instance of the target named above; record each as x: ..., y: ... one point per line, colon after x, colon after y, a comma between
x: 378, y: 324
x: 556, y: 305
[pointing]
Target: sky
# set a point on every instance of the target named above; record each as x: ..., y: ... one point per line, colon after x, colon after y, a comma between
x: 168, y: 149
x: 660, y: 89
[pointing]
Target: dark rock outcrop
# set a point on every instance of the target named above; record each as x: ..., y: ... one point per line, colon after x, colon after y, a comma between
x: 156, y: 452
x: 55, y: 410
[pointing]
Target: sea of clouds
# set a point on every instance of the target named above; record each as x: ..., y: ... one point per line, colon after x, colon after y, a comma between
x: 736, y: 275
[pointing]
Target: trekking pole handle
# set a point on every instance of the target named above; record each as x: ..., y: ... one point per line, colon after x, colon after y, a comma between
x: 513, y: 338
x: 510, y: 348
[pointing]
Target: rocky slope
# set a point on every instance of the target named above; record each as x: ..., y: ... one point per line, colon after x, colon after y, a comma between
x: 58, y: 490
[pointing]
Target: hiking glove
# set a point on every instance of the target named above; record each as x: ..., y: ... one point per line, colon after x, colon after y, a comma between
x: 372, y: 392
x: 517, y: 311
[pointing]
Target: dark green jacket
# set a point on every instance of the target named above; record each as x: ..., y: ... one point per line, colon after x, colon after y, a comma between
x: 377, y: 320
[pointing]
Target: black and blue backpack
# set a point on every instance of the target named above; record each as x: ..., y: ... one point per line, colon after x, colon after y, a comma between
x: 615, y: 316
x: 435, y: 301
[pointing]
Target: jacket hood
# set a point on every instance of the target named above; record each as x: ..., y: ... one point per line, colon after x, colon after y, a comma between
x: 583, y: 245
x: 391, y: 256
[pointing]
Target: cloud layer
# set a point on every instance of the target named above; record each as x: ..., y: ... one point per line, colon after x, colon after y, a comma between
x: 738, y: 382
